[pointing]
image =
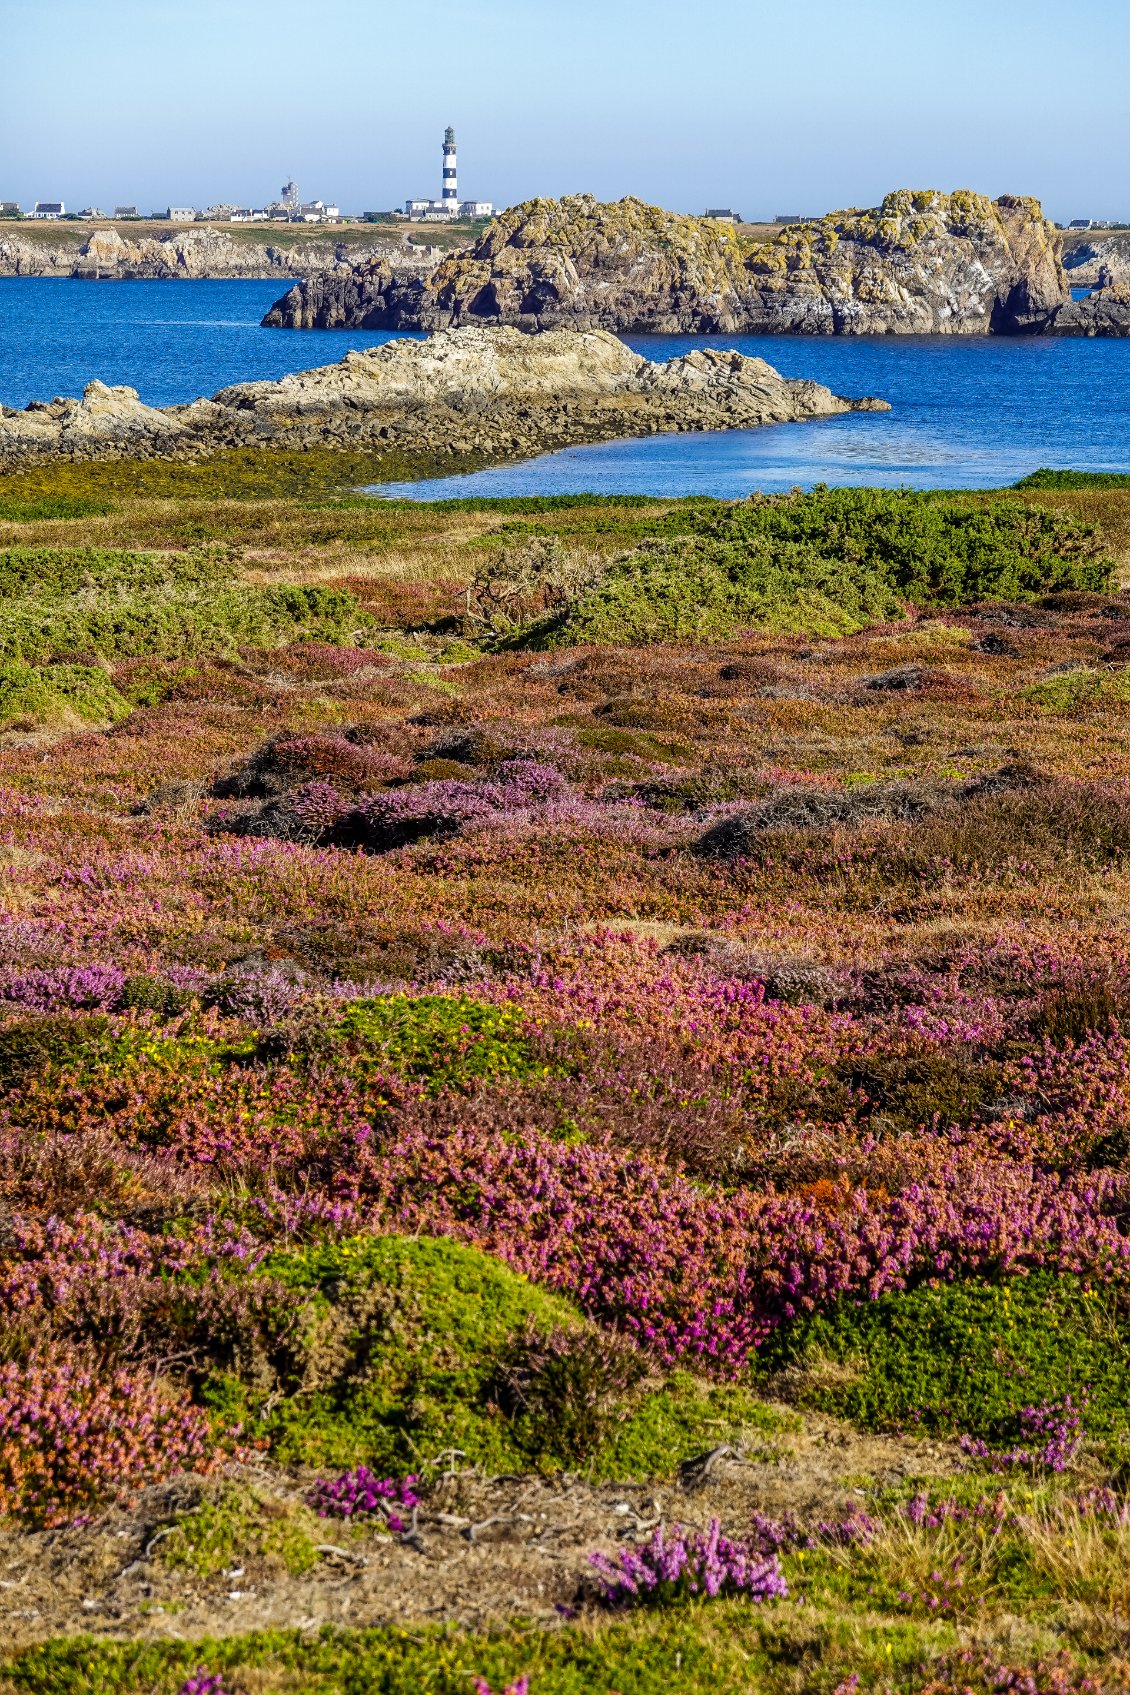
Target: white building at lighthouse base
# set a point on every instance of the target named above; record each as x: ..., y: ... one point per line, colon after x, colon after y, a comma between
x: 443, y: 211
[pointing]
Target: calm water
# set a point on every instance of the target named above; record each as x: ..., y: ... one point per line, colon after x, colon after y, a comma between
x: 967, y: 412
x: 171, y: 341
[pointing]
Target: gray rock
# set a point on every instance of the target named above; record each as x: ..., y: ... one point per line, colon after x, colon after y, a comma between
x: 494, y: 392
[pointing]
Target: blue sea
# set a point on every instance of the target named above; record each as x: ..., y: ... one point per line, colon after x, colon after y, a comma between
x: 967, y: 411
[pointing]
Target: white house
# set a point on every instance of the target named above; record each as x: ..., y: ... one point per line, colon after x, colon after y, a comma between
x: 48, y: 209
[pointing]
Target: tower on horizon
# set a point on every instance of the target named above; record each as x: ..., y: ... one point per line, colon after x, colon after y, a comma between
x: 449, y: 205
x: 450, y: 173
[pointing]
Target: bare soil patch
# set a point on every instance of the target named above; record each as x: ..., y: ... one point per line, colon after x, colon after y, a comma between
x: 481, y: 1550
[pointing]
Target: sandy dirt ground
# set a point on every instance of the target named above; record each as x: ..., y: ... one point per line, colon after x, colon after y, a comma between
x: 481, y: 1549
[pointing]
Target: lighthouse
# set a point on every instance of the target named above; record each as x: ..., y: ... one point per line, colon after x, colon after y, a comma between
x: 449, y: 205
x: 450, y: 174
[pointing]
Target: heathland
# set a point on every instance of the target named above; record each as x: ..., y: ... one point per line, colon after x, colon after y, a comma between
x: 527, y: 1026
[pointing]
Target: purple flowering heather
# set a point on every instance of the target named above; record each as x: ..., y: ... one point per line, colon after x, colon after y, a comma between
x: 318, y: 805
x: 675, y: 1563
x: 1055, y: 1429
x: 205, y: 1683
x: 783, y: 1535
x: 361, y: 1494
x: 264, y: 995
x: 448, y: 805
x: 57, y: 989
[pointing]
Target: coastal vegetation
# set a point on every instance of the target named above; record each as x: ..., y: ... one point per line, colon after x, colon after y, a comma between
x: 558, y: 1028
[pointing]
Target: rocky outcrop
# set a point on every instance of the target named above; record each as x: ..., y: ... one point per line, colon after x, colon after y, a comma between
x: 921, y: 263
x: 1105, y: 312
x: 187, y: 253
x: 1098, y: 261
x: 469, y: 394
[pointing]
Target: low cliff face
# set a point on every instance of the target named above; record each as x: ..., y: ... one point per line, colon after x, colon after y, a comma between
x: 919, y: 264
x: 1098, y: 261
x: 1106, y: 312
x: 189, y: 253
x: 469, y: 393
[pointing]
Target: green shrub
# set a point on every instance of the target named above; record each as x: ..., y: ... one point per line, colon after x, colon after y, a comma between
x: 703, y: 589
x: 56, y: 574
x: 965, y: 1356
x: 448, y: 1041
x: 1045, y: 478
x: 49, y: 696
x: 826, y: 563
x: 123, y: 605
x: 174, y: 624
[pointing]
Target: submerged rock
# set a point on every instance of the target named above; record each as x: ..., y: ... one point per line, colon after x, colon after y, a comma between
x: 479, y: 392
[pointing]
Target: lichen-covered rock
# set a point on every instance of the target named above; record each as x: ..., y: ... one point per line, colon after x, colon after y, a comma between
x: 1098, y: 261
x: 920, y: 263
x: 105, y: 423
x: 468, y: 393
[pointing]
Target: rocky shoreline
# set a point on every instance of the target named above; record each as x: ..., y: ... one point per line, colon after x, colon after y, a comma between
x: 195, y: 254
x: 919, y: 264
x: 462, y: 394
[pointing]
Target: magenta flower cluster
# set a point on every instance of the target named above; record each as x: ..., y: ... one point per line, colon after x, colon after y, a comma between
x: 675, y: 1562
x: 1053, y: 1433
x: 361, y: 1494
x: 203, y: 1682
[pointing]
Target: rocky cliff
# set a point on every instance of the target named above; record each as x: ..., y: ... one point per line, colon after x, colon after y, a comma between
x: 1105, y: 312
x: 471, y: 394
x: 197, y: 252
x: 922, y: 263
x: 1099, y: 260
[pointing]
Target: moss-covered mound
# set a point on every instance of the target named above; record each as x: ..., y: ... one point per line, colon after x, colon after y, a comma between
x: 968, y: 1356
x: 389, y: 1352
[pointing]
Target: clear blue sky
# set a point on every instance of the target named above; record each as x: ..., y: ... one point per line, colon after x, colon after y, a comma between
x: 802, y: 105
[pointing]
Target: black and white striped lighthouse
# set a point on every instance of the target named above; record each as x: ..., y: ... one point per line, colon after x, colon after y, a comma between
x: 450, y: 173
